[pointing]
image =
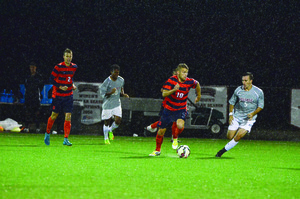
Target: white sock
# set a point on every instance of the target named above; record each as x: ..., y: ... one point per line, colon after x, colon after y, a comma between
x: 230, y: 144
x: 105, y: 131
x: 113, y: 126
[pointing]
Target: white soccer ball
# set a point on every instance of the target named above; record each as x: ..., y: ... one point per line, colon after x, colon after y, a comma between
x: 183, y: 151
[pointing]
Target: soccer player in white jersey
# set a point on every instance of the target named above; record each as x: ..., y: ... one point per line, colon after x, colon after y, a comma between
x: 244, y: 105
x: 111, y: 90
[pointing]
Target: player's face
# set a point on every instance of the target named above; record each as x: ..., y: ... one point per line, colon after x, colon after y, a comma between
x: 68, y: 58
x: 246, y: 82
x: 115, y: 74
x: 32, y: 69
x: 182, y: 74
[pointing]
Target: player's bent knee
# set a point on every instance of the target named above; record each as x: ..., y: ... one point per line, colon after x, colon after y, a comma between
x: 180, y: 124
x: 180, y: 127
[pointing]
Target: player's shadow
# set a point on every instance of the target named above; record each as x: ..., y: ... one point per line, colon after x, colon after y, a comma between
x: 295, y: 169
x: 20, y: 145
x: 207, y: 156
x: 91, y: 144
x: 215, y: 158
x: 141, y: 157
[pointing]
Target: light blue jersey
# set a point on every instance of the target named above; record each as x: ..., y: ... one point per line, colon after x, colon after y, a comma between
x: 246, y: 102
x: 112, y: 101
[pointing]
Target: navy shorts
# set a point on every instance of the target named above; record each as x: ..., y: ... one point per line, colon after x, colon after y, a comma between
x: 62, y: 104
x: 161, y: 110
x: 168, y: 117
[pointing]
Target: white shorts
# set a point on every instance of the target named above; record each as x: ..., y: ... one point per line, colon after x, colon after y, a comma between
x: 108, y: 113
x: 235, y: 125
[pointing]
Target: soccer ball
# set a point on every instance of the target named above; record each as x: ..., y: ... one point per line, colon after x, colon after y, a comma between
x: 183, y: 151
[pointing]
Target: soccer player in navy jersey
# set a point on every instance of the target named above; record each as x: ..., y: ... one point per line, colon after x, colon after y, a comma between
x: 244, y: 105
x: 33, y: 85
x: 175, y: 92
x: 62, y: 94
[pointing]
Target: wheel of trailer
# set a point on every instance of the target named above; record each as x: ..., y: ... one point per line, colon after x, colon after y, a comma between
x: 216, y: 128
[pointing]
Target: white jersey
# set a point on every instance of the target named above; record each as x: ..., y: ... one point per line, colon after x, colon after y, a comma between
x: 246, y: 102
x: 112, y: 101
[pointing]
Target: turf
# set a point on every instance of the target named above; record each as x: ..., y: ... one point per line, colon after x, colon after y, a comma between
x: 90, y: 169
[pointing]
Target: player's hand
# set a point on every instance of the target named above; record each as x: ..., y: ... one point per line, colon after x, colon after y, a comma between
x: 113, y: 91
x: 250, y: 116
x: 176, y: 87
x: 74, y: 87
x: 197, y: 99
x: 230, y: 119
x: 125, y: 95
x: 64, y: 88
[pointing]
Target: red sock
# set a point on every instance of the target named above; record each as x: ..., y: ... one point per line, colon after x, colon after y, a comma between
x: 49, y: 125
x: 174, y: 126
x: 177, y: 132
x: 159, y: 141
x: 67, y: 128
x: 154, y: 125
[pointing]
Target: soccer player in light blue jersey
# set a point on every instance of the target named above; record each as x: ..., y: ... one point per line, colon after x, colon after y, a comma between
x: 111, y: 90
x: 244, y: 105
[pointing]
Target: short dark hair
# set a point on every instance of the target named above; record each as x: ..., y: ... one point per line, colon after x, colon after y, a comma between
x: 248, y: 74
x: 114, y: 67
x: 68, y: 51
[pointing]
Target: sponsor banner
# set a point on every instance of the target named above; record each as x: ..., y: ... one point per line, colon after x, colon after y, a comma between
x: 89, y: 94
x: 212, y: 97
x: 295, y: 107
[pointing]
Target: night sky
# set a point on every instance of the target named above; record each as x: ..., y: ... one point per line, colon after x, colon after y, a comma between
x: 218, y: 40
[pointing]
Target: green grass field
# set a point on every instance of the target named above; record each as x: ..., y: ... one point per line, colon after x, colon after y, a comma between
x: 90, y: 169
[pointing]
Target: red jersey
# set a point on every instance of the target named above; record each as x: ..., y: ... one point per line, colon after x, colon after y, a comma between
x: 178, y: 99
x: 62, y: 75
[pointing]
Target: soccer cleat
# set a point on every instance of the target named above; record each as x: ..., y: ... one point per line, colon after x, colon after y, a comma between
x: 106, y: 141
x: 67, y: 142
x: 221, y: 152
x: 149, y: 128
x: 175, y: 144
x: 47, y: 139
x: 111, y: 135
x: 38, y: 130
x: 179, y: 141
x: 26, y: 130
x: 155, y: 153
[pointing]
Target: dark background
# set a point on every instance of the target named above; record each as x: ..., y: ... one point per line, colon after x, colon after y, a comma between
x: 218, y: 40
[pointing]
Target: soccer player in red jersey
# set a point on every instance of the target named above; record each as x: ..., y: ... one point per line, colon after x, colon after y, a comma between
x: 153, y: 127
x: 62, y: 94
x: 175, y: 92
